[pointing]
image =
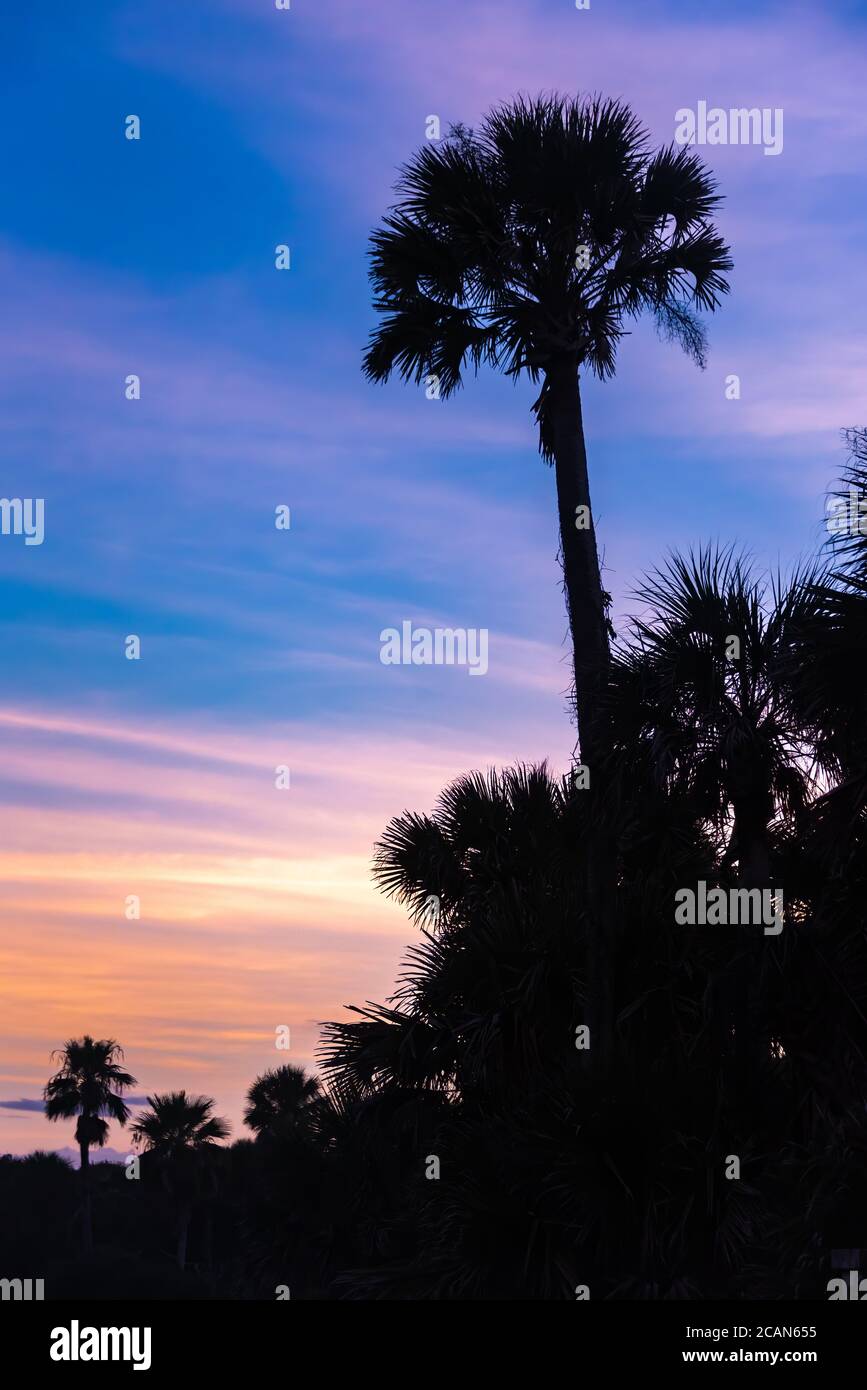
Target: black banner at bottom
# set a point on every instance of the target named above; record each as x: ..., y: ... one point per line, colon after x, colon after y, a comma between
x: 88, y: 1339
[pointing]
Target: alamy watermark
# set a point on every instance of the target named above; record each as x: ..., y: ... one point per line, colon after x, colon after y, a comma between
x: 23, y: 1290
x: 23, y: 516
x: 855, y: 1288
x: 847, y: 516
x: 730, y: 907
x: 740, y: 125
x: 440, y: 646
x: 77, y: 1343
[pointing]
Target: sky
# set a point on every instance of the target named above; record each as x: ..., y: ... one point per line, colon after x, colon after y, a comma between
x: 260, y: 647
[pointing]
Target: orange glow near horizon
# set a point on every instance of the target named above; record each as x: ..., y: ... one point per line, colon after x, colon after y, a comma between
x: 257, y: 905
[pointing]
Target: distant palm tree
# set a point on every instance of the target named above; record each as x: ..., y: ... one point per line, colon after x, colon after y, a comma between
x: 179, y: 1130
x: 90, y: 1084
x: 527, y: 245
x: 279, y: 1099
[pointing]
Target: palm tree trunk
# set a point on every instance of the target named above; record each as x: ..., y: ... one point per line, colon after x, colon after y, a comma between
x: 588, y: 623
x: 208, y: 1242
x: 86, y: 1207
x: 184, y: 1215
x: 754, y: 871
x: 585, y: 603
x: 754, y: 862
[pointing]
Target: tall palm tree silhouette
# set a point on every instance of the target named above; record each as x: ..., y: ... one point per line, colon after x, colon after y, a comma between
x: 279, y: 1100
x: 179, y: 1131
x: 89, y: 1084
x: 527, y: 245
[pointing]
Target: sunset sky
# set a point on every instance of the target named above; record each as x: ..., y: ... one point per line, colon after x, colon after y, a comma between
x: 261, y: 647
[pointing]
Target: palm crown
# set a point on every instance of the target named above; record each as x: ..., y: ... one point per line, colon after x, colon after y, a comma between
x: 90, y: 1084
x: 178, y: 1124
x: 534, y: 238
x: 702, y: 690
x: 279, y: 1096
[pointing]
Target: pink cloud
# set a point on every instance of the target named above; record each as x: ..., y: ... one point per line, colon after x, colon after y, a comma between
x: 474, y: 53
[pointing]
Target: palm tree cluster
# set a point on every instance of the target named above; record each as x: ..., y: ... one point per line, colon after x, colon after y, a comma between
x: 184, y: 1170
x: 733, y: 762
